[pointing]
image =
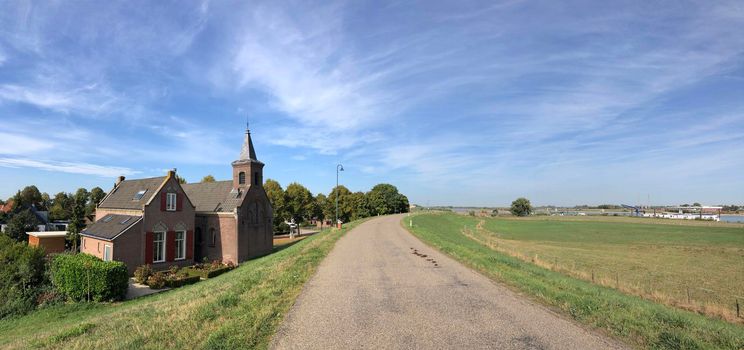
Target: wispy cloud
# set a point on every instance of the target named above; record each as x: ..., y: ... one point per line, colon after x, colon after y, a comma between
x: 66, y: 167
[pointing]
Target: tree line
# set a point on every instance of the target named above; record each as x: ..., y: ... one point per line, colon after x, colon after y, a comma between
x: 71, y: 207
x: 297, y: 203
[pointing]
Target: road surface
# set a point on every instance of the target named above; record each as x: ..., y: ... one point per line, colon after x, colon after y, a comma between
x: 377, y: 290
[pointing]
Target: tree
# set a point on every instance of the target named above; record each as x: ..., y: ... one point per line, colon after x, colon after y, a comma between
x: 319, y: 207
x: 96, y: 195
x: 521, y: 207
x: 61, y: 206
x: 180, y: 179
x: 208, y: 178
x: 696, y: 204
x: 359, y: 206
x: 385, y: 199
x: 27, y: 197
x: 46, y: 202
x: 276, y: 197
x: 344, y: 213
x: 299, y: 202
x: 77, y: 217
x: 21, y: 222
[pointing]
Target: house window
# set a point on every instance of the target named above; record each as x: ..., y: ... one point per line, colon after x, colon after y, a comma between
x: 170, y: 202
x: 212, y: 238
x: 180, y: 245
x: 106, y: 252
x: 241, y: 178
x: 158, y: 246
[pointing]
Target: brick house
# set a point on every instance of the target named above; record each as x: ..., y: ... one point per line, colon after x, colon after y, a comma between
x: 160, y: 222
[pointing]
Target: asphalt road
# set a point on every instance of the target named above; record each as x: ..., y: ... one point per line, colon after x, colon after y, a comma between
x: 377, y: 290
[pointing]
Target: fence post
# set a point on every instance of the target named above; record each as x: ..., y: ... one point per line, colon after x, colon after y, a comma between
x: 592, y: 276
x: 617, y: 280
x: 689, y: 298
x: 737, y: 308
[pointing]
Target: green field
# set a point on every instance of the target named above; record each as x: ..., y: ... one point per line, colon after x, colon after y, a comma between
x: 619, y: 252
x: 238, y: 309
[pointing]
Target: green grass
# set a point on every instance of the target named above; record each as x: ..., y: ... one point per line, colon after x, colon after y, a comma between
x: 633, y: 319
x: 238, y: 309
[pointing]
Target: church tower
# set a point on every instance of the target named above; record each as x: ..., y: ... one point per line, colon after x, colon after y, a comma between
x: 247, y: 170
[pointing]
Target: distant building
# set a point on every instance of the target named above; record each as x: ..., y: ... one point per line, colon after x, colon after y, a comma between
x: 51, y: 241
x: 8, y: 206
x: 160, y: 222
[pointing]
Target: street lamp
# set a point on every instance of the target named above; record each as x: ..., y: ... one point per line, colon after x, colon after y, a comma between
x: 339, y: 167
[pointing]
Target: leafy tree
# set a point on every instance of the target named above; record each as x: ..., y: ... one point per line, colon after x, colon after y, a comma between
x: 77, y: 217
x: 96, y: 195
x: 344, y: 210
x: 46, y: 202
x: 385, y: 199
x: 208, y: 178
x: 27, y: 197
x: 521, y: 207
x: 20, y: 223
x: 180, y: 179
x: 299, y: 202
x: 276, y: 197
x: 61, y: 206
x: 495, y: 212
x: 319, y: 207
x: 696, y: 204
x: 359, y: 206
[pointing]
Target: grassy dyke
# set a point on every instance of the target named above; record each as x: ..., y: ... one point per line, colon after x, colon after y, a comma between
x: 636, y: 321
x: 238, y: 309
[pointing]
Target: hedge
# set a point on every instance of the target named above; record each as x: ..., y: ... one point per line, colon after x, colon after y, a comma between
x: 179, y: 282
x: 85, y: 277
x: 216, y: 272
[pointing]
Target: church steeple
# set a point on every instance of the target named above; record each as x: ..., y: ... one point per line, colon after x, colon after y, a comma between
x: 247, y: 170
x: 247, y: 152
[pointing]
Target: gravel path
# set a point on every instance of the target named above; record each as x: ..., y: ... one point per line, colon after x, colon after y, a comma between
x: 381, y: 288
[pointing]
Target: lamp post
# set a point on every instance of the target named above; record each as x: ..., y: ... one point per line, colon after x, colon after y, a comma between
x: 339, y: 167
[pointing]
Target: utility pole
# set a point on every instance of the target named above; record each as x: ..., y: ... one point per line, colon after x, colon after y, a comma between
x: 339, y: 167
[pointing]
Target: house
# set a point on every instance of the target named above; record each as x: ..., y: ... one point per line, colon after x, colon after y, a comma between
x: 8, y: 206
x: 160, y: 222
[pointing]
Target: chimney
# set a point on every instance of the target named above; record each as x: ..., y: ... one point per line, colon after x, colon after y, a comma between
x: 172, y: 173
x: 119, y: 180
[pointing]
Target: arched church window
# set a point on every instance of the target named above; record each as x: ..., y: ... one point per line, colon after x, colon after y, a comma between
x: 212, y: 237
x: 241, y: 178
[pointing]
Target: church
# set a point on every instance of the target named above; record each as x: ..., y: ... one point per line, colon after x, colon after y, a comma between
x: 160, y: 222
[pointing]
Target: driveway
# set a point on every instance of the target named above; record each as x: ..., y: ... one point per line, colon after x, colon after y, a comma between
x: 382, y: 288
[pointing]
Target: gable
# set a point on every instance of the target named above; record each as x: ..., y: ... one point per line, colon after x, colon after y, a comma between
x: 132, y: 194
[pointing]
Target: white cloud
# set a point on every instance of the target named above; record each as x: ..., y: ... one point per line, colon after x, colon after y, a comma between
x: 67, y: 167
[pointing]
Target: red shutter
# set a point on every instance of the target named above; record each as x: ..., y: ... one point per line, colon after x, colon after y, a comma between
x: 170, y: 246
x: 148, y: 248
x: 189, y: 244
x: 179, y: 202
x: 162, y: 201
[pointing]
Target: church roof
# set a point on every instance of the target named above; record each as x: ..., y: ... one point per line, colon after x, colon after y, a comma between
x: 129, y: 194
x: 216, y: 196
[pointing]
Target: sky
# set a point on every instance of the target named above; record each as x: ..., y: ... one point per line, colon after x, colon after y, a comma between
x: 454, y: 102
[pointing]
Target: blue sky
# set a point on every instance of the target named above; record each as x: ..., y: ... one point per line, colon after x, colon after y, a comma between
x: 458, y: 102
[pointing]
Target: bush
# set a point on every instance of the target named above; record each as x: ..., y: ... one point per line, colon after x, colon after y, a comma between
x: 85, y: 277
x: 156, y: 281
x: 175, y: 282
x: 22, y: 276
x: 215, y: 272
x: 142, y: 273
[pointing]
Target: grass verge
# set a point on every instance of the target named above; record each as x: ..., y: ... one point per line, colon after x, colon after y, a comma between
x: 239, y: 309
x: 634, y: 320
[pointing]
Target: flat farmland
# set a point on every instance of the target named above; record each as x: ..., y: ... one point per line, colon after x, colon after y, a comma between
x: 697, y: 266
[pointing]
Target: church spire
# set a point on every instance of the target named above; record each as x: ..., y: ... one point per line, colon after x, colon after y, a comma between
x: 247, y: 152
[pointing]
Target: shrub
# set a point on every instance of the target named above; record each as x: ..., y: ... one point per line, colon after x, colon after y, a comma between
x: 215, y: 272
x: 85, y: 277
x: 142, y: 273
x: 178, y: 281
x: 173, y: 269
x: 22, y: 276
x: 156, y: 281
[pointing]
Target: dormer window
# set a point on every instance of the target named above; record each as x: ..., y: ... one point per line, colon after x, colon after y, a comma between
x: 170, y: 201
x: 241, y: 178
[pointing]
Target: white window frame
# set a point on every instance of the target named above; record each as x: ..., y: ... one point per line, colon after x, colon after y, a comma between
x: 162, y: 247
x: 180, y: 250
x: 107, y: 257
x: 170, y: 201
